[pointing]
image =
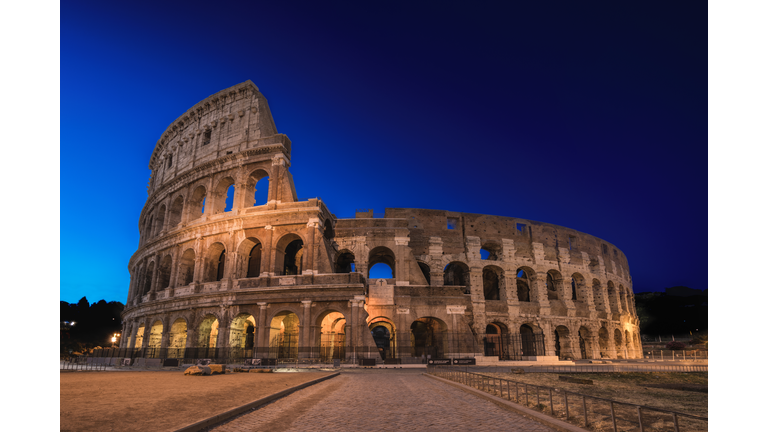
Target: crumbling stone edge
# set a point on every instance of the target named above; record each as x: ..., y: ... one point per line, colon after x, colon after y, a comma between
x: 218, y: 418
x: 546, y: 420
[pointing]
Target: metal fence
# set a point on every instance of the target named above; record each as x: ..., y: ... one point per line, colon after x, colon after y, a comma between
x: 629, y: 367
x: 577, y: 408
x: 684, y: 355
x: 81, y: 364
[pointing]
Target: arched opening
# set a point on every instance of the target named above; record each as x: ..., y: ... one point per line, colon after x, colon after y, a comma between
x: 328, y: 230
x: 174, y: 216
x: 208, y: 332
x: 602, y: 339
x: 563, y: 348
x: 523, y: 285
x: 597, y: 294
x: 284, y: 336
x: 332, y: 337
x: 383, y: 333
x: 164, y: 277
x: 216, y: 259
x: 456, y: 274
x: 618, y: 343
x: 224, y: 195
x: 155, y: 338
x: 139, y: 337
x: 490, y: 251
x: 289, y: 256
x: 187, y: 267
x: 160, y: 220
x: 425, y: 271
x: 254, y: 261
x: 148, y: 278
x: 628, y: 343
x: 345, y: 262
x: 531, y: 341
x: 384, y: 260
x: 491, y: 280
x: 148, y: 228
x: 257, y: 188
x: 552, y: 277
x: 624, y: 302
x: 495, y: 341
x: 613, y: 298
x: 585, y: 343
x: 177, y: 339
x: 427, y: 338
x: 241, y: 331
x: 197, y: 203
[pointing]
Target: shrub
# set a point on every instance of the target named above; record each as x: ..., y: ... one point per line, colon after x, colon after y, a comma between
x: 675, y: 345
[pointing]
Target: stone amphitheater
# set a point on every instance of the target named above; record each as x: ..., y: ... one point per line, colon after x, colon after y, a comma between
x: 232, y: 265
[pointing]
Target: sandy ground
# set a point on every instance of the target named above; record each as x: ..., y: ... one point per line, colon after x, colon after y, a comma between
x: 160, y: 400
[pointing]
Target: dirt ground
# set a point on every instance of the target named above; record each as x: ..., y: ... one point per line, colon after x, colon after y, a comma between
x: 689, y: 396
x: 160, y: 400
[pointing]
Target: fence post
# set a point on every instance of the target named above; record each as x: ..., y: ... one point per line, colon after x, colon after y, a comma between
x: 538, y: 402
x: 613, y: 417
x: 509, y: 395
x: 683, y: 354
x: 526, y: 394
x: 567, y: 414
x: 584, y: 405
x: 674, y: 420
x: 517, y: 393
x: 640, y: 419
x: 551, y: 404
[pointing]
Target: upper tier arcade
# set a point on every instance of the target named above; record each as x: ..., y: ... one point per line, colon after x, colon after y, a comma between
x: 228, y: 122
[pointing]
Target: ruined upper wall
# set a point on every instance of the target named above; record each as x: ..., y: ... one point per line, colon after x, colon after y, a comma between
x: 227, y: 122
x: 555, y: 240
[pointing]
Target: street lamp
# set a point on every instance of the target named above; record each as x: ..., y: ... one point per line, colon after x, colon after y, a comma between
x: 114, y: 338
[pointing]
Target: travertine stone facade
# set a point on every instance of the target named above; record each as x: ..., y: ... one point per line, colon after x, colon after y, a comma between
x: 216, y: 268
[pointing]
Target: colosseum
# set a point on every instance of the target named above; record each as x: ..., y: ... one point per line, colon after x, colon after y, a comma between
x: 232, y: 266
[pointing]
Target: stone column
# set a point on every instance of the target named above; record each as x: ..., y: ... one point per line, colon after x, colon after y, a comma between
x: 362, y: 324
x: 352, y: 329
x: 539, y: 294
x: 566, y: 293
x: 309, y: 252
x: 165, y: 335
x: 241, y: 192
x: 145, y: 338
x: 191, y: 342
x: 261, y: 344
x: 549, y: 339
x: 304, y: 329
x: 268, y: 252
x: 222, y: 339
x: 594, y: 342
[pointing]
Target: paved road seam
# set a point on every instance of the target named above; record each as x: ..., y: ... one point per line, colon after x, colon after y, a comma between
x: 218, y: 418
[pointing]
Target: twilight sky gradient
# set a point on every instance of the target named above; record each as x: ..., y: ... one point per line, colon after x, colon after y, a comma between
x: 588, y: 116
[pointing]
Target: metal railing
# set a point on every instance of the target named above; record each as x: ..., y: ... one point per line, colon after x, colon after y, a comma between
x: 577, y: 408
x: 81, y: 364
x: 682, y: 355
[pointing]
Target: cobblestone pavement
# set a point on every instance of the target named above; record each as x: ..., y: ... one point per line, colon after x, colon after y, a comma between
x: 380, y: 400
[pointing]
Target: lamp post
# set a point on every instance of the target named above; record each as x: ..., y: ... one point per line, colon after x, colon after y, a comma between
x: 114, y: 338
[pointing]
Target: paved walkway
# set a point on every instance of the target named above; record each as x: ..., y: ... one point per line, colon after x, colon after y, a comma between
x: 380, y: 400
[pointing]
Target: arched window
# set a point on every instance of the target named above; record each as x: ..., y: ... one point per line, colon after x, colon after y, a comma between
x: 254, y: 261
x: 159, y: 222
x: 490, y: 284
x: 378, y: 256
x: 197, y: 203
x: 257, y: 188
x: 490, y: 251
x: 224, y: 195
x: 289, y: 255
x: 220, y: 266
x: 174, y: 217
x: 425, y: 271
x: 457, y: 274
x: 164, y: 279
x: 187, y: 267
x: 215, y: 260
x: 523, y: 286
x: 148, y: 278
x: 345, y: 263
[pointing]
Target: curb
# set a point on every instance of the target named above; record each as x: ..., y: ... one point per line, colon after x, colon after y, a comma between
x: 544, y: 419
x: 218, y: 418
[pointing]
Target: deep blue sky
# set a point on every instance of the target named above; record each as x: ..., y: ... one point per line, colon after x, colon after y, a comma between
x: 591, y: 116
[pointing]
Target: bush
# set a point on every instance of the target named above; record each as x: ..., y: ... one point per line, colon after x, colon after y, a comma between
x: 675, y: 345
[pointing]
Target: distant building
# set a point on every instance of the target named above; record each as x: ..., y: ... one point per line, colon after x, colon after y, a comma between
x: 283, y: 278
